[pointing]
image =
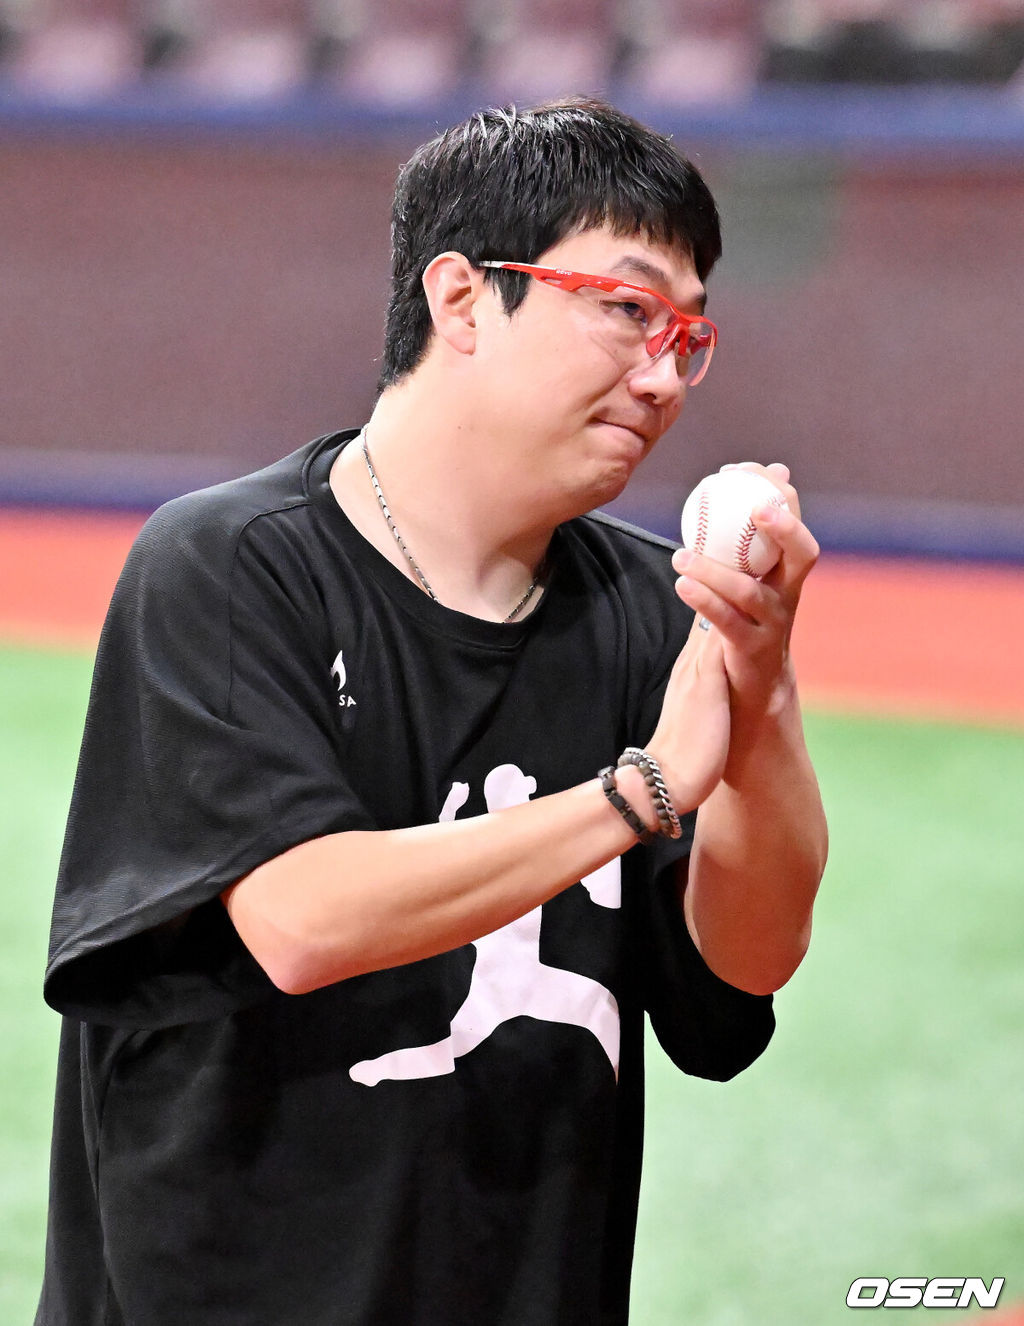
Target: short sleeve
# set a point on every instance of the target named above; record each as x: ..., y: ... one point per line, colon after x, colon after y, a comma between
x: 208, y: 749
x: 707, y: 1027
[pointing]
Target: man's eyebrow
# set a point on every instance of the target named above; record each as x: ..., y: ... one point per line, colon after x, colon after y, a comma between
x: 641, y: 267
x: 653, y: 275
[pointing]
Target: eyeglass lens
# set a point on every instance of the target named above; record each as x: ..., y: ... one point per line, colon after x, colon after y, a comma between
x: 631, y: 319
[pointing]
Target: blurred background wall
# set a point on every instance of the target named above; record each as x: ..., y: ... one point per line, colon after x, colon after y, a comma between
x: 194, y: 234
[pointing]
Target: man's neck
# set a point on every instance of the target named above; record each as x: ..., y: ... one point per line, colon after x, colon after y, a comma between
x: 471, y: 535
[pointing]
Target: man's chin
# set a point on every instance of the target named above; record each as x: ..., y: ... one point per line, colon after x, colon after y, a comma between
x: 609, y: 483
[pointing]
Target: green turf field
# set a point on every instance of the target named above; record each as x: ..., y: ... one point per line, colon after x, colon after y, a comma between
x: 880, y: 1134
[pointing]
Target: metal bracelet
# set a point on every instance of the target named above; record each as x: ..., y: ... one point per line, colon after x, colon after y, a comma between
x: 668, y: 820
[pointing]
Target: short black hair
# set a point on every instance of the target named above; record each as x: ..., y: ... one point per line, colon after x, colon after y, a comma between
x: 510, y: 183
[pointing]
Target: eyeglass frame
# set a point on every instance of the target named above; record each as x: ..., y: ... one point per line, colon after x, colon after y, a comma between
x: 563, y: 279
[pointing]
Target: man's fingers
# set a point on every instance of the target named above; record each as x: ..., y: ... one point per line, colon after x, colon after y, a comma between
x: 800, y: 550
x: 719, y: 595
x: 699, y: 632
x: 778, y: 474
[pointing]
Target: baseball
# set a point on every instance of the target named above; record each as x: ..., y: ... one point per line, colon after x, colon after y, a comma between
x: 717, y: 520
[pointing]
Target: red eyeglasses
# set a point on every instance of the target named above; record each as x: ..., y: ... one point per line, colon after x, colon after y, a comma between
x: 631, y: 316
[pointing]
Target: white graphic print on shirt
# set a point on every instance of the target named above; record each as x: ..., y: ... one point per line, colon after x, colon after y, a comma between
x: 340, y: 675
x: 509, y: 980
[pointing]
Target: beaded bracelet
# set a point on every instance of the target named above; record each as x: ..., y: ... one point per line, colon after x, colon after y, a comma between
x: 607, y: 777
x: 668, y: 820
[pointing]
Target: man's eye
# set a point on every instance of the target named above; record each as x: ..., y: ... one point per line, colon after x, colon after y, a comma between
x: 632, y: 310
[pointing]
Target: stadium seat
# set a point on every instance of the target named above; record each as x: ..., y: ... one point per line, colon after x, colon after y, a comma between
x: 78, y: 48
x: 893, y: 41
x: 689, y: 52
x: 247, y: 49
x: 1001, y: 58
x: 968, y: 42
x: 14, y: 16
x: 840, y: 41
x: 533, y: 49
x: 405, y: 52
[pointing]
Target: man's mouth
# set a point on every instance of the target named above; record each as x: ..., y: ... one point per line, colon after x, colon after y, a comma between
x: 637, y: 432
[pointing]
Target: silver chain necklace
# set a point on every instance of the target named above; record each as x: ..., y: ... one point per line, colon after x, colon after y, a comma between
x: 385, y: 511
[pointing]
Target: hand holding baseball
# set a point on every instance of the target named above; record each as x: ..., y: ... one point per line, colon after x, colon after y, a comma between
x: 751, y: 603
x: 718, y: 520
x: 725, y: 678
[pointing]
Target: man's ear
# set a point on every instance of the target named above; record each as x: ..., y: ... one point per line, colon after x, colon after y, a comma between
x: 452, y: 286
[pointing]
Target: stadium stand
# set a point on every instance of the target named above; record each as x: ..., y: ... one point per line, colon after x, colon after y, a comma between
x: 676, y: 52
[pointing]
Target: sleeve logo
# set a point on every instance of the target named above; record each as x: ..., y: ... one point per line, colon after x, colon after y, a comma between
x: 340, y: 675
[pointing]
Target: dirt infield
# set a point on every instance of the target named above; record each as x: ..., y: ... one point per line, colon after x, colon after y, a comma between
x: 61, y: 568
x: 926, y: 639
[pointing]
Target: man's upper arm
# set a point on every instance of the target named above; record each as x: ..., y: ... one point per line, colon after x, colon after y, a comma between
x: 207, y: 751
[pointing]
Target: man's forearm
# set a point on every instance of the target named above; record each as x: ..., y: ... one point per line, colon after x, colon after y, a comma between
x: 758, y: 855
x: 349, y: 903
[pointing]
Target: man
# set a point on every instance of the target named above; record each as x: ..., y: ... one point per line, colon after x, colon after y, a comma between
x: 351, y: 944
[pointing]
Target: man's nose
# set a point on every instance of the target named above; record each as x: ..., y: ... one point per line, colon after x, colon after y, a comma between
x: 659, y: 380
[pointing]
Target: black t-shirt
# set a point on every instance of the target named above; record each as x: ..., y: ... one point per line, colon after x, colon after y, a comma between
x: 453, y: 1142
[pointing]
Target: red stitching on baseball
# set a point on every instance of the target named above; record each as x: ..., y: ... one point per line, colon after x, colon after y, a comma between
x: 702, y: 522
x: 747, y: 537
x: 743, y: 547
